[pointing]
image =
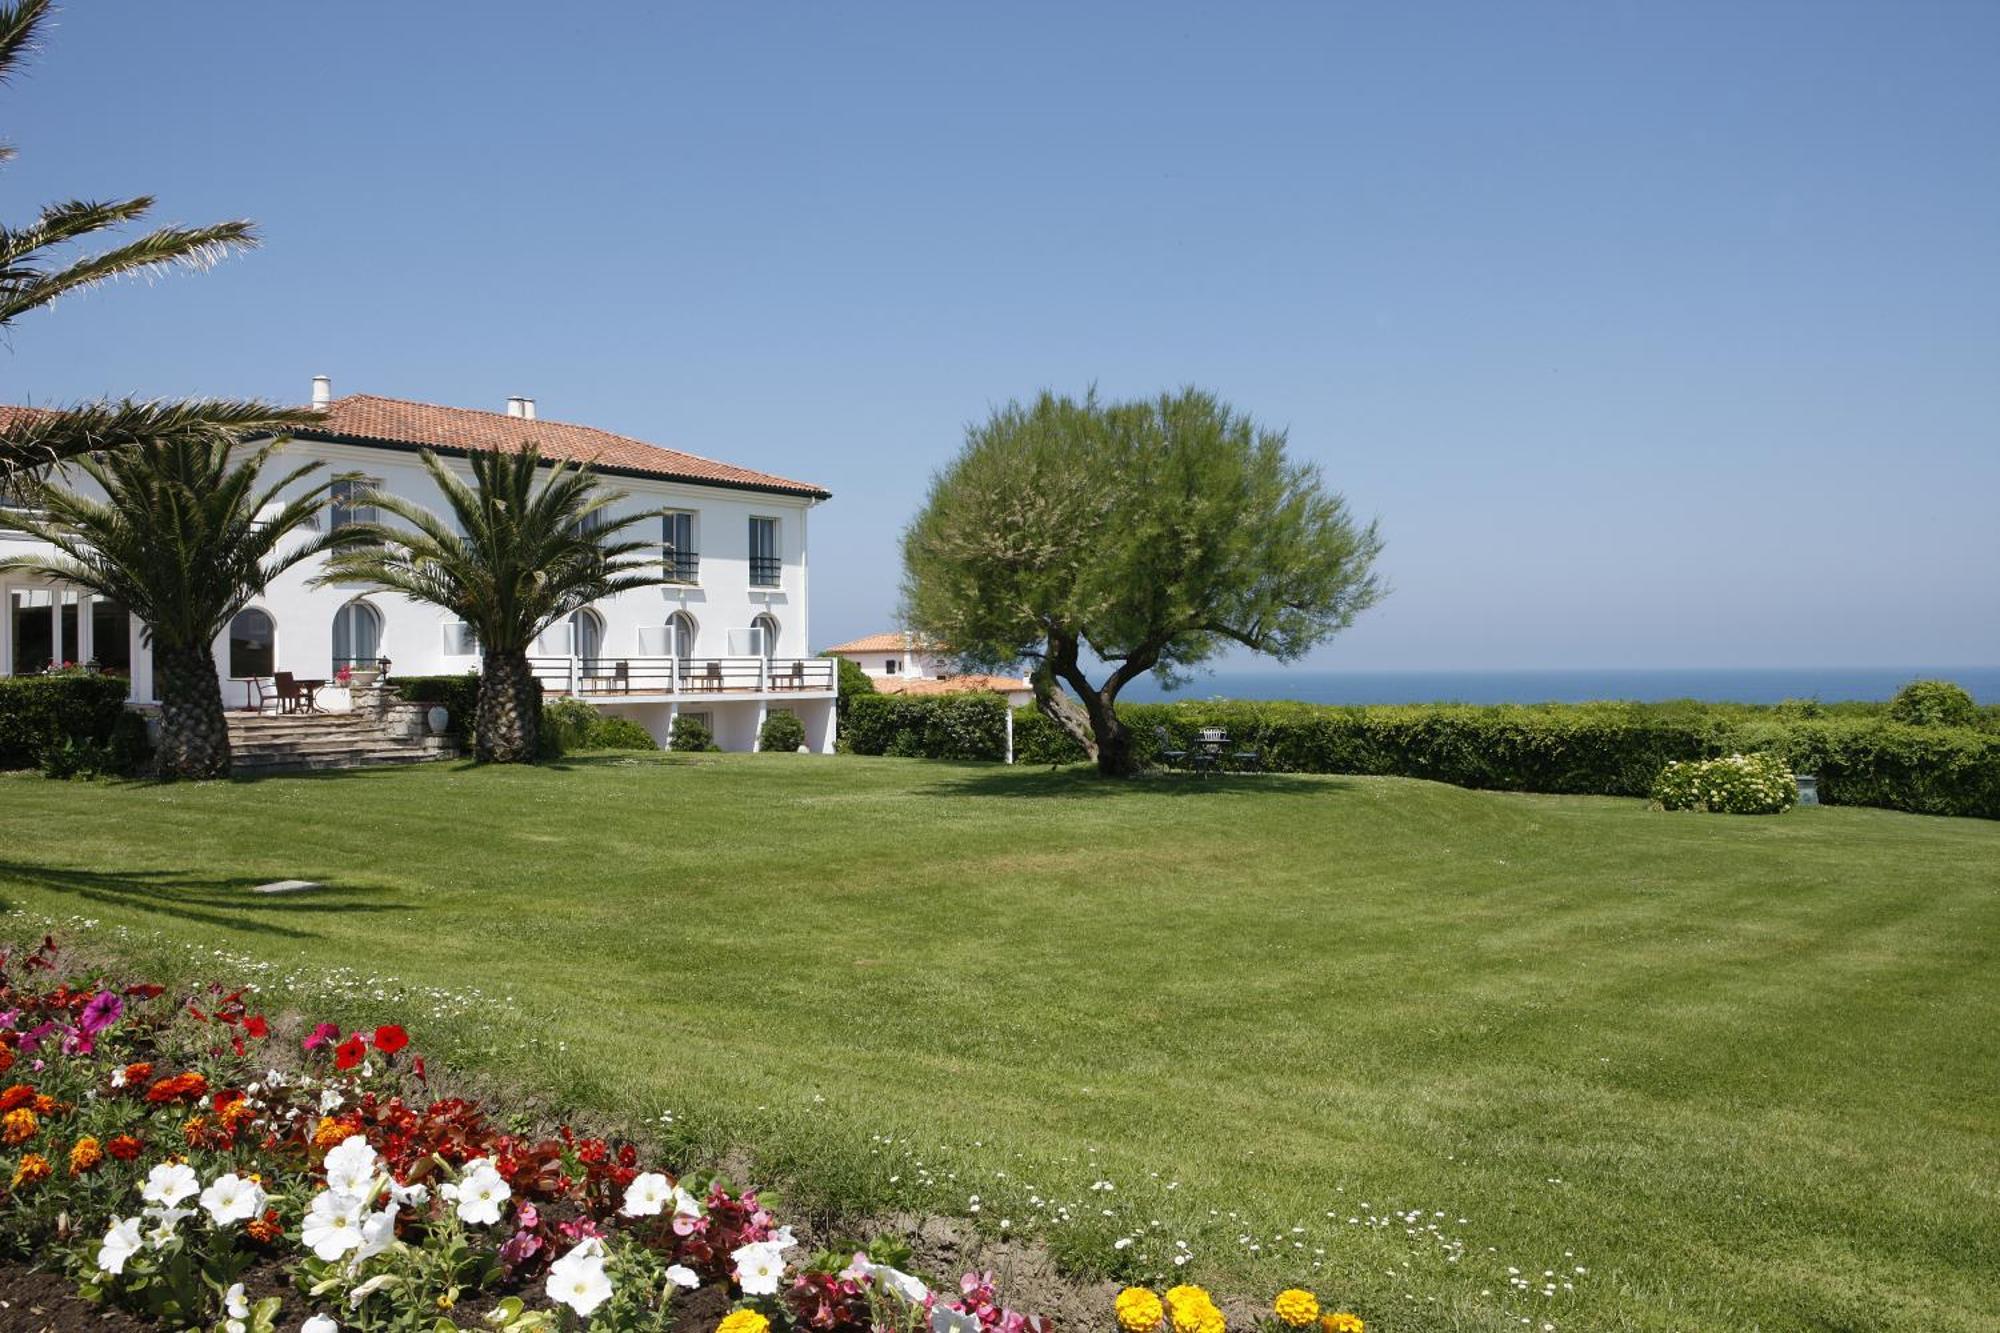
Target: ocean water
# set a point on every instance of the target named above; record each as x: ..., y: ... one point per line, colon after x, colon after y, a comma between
x: 1748, y: 685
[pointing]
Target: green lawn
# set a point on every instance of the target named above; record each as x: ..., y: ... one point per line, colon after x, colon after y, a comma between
x: 1743, y: 1073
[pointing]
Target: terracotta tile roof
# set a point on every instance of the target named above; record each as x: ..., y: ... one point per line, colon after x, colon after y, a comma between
x: 13, y: 414
x: 947, y: 684
x: 892, y: 642
x: 366, y: 419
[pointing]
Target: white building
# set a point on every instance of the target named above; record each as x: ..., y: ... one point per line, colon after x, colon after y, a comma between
x: 899, y: 663
x: 725, y: 641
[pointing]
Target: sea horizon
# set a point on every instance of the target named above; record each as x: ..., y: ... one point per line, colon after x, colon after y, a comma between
x: 1747, y: 685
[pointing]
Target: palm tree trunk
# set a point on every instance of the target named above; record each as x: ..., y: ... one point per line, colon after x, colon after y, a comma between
x: 507, y: 729
x: 194, y: 732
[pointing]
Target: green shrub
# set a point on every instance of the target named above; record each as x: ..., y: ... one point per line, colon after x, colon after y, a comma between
x: 40, y: 712
x: 853, y: 682
x: 972, y: 725
x: 1933, y: 703
x: 781, y: 733
x: 566, y: 725
x: 459, y: 696
x: 691, y: 734
x: 1737, y: 784
x: 618, y: 733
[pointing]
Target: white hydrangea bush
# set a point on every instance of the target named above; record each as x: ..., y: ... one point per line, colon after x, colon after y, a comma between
x: 1737, y: 784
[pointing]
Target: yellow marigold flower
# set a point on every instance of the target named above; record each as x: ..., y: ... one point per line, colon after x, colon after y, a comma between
x: 1139, y: 1310
x: 1296, y: 1307
x: 33, y: 1170
x: 85, y: 1155
x: 743, y: 1321
x: 192, y: 1131
x: 1342, y: 1323
x: 330, y: 1132
x: 19, y: 1126
x: 1193, y: 1310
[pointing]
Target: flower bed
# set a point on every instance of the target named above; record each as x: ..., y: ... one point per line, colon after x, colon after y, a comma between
x: 175, y: 1159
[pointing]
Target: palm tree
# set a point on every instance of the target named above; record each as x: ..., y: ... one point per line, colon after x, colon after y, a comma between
x: 515, y: 556
x: 37, y: 267
x: 185, y: 534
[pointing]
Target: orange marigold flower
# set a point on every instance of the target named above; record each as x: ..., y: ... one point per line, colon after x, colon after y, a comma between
x: 18, y: 1095
x: 46, y: 1105
x: 193, y: 1130
x: 331, y: 1131
x: 33, y: 1170
x: 6, y: 1058
x: 266, y: 1229
x: 18, y: 1126
x: 138, y: 1075
x: 124, y: 1147
x: 189, y: 1085
x: 85, y: 1155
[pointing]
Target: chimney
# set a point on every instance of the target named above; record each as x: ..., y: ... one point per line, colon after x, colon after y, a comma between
x: 514, y: 408
x: 528, y: 408
x: 322, y: 393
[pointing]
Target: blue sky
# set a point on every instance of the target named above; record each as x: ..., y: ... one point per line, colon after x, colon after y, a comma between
x: 1655, y: 335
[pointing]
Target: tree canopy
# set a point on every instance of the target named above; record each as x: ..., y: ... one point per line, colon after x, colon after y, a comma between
x: 1145, y: 536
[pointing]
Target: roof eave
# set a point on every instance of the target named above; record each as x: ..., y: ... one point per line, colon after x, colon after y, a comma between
x: 803, y: 491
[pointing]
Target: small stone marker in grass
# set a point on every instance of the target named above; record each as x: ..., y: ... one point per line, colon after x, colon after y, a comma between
x: 289, y: 886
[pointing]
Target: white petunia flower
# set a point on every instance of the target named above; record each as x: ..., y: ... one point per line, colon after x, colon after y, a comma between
x: 378, y: 1233
x: 683, y: 1277
x: 578, y: 1279
x: 350, y: 1166
x: 946, y: 1320
x: 233, y: 1199
x: 319, y: 1323
x: 166, y: 1225
x: 120, y: 1244
x: 480, y: 1193
x: 408, y: 1196
x: 368, y: 1288
x: 647, y: 1195
x: 332, y: 1225
x: 759, y: 1267
x: 169, y: 1183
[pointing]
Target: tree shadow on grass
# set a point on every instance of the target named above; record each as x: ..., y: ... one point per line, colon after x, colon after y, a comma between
x: 223, y: 902
x: 1079, y: 782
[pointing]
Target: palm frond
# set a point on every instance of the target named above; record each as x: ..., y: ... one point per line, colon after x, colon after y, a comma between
x: 157, y: 251
x: 18, y: 24
x: 44, y: 438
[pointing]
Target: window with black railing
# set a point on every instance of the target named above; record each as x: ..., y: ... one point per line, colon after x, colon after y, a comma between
x: 683, y: 566
x: 765, y: 565
x: 677, y: 550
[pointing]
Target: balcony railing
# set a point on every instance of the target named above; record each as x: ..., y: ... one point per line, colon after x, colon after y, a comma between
x: 592, y: 677
x: 681, y: 566
x: 765, y: 571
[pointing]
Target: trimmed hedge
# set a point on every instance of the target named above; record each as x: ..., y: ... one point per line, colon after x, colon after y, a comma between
x: 928, y: 726
x: 458, y: 694
x: 1604, y: 749
x: 41, y: 713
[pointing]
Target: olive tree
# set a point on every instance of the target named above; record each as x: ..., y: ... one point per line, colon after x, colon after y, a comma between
x: 1127, y: 538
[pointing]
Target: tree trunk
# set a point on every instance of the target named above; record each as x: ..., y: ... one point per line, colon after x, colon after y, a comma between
x: 194, y: 732
x: 1115, y: 755
x: 508, y: 727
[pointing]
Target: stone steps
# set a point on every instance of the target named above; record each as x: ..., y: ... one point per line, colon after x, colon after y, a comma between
x: 301, y: 743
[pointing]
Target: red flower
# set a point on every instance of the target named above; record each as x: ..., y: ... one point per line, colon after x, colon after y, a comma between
x: 389, y: 1038
x: 350, y: 1052
x: 124, y: 1147
x: 256, y: 1026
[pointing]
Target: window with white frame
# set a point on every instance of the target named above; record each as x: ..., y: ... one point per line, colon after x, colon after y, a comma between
x: 460, y: 639
x: 765, y: 563
x: 344, y: 497
x: 679, y: 556
x: 764, y: 636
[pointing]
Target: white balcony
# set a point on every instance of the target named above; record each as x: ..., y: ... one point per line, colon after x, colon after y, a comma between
x: 655, y: 678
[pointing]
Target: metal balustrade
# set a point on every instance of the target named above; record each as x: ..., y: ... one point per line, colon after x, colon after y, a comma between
x: 597, y: 677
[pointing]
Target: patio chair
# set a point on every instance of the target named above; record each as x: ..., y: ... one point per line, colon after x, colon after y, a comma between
x: 1173, y: 757
x: 1248, y: 760
x: 290, y: 697
x: 261, y: 695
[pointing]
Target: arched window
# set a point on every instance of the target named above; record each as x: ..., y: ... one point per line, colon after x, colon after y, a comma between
x: 253, y: 639
x: 680, y: 634
x: 586, y: 634
x: 764, y: 635
x: 357, y: 635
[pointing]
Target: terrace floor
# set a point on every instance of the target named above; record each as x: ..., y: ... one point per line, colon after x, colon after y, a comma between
x: 1391, y: 1038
